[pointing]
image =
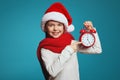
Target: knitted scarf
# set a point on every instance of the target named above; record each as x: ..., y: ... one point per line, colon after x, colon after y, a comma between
x: 55, y: 44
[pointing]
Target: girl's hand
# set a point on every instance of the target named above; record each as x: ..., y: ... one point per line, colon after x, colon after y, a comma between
x: 74, y: 45
x: 88, y: 25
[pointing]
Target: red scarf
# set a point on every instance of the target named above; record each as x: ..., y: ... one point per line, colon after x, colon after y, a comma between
x: 55, y: 44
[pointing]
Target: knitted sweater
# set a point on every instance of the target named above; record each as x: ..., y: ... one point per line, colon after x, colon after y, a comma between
x: 65, y: 66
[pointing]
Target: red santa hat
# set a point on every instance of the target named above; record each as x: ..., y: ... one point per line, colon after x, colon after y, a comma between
x: 58, y: 12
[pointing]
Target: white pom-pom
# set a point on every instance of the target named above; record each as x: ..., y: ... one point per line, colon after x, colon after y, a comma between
x: 70, y: 28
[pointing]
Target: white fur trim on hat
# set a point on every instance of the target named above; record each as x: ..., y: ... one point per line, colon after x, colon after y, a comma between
x: 70, y: 28
x: 56, y: 16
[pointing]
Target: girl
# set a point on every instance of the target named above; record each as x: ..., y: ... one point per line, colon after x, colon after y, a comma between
x: 57, y: 53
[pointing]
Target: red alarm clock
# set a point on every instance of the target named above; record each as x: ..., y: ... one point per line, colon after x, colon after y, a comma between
x: 87, y: 37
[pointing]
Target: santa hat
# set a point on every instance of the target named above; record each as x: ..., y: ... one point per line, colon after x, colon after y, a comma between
x: 58, y: 12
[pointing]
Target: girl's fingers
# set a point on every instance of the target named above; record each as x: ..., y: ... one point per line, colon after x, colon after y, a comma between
x: 78, y: 43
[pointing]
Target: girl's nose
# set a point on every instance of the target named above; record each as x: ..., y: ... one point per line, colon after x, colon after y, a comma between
x: 55, y: 28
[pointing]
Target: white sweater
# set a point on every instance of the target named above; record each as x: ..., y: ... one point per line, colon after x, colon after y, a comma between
x: 64, y: 66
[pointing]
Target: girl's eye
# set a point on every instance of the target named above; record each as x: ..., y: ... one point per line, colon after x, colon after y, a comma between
x: 60, y: 24
x: 50, y: 25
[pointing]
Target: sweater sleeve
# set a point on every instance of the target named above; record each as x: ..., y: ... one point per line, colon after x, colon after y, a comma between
x: 95, y: 49
x: 54, y: 62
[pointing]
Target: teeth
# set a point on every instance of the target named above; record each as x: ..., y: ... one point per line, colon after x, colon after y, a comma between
x: 55, y: 33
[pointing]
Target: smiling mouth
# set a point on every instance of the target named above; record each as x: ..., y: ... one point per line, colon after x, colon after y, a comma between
x: 55, y: 33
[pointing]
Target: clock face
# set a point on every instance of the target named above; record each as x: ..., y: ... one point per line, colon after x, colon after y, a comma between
x: 87, y: 39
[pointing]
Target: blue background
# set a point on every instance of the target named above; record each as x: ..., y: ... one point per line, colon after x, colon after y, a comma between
x: 20, y: 34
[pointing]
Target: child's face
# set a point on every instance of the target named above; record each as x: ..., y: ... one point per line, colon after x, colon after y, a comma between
x: 54, y: 29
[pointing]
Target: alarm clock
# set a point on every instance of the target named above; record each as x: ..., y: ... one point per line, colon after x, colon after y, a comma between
x: 87, y: 37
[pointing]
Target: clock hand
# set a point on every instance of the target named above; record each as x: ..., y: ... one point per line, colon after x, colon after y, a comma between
x: 88, y: 41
